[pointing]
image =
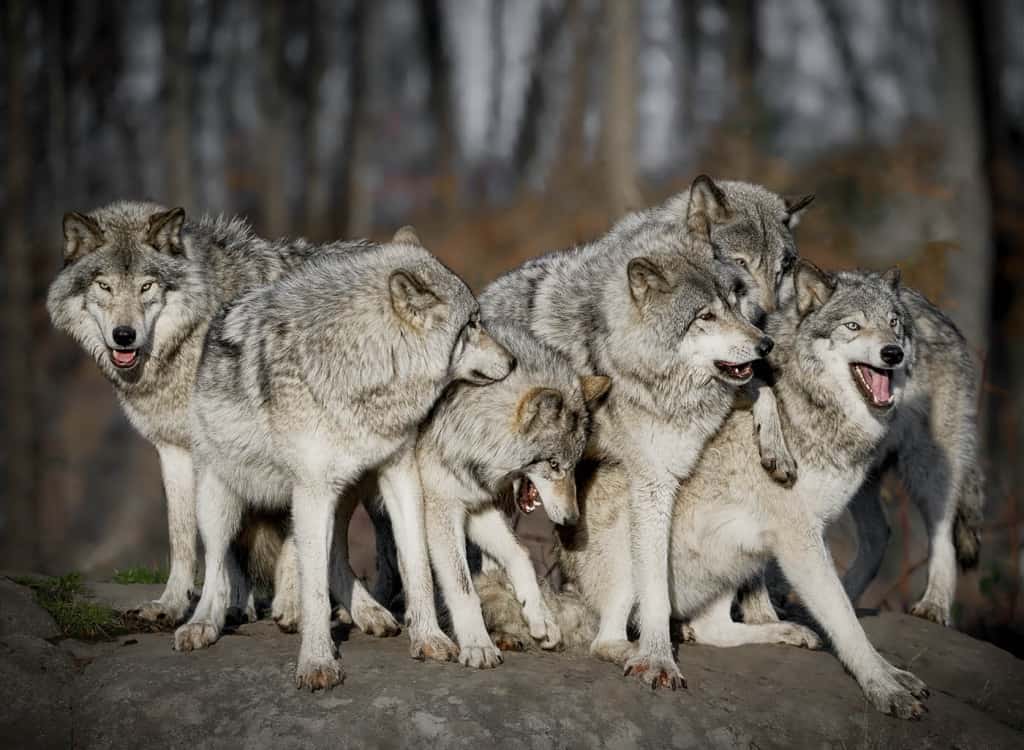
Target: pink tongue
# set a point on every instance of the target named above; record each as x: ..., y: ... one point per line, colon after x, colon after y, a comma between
x: 124, y: 358
x: 879, y: 383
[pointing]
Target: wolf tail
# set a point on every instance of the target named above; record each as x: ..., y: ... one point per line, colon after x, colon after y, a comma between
x: 503, y: 614
x: 260, y: 543
x: 967, y: 526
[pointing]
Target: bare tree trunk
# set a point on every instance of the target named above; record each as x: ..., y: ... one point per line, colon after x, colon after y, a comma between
x: 316, y: 173
x: 20, y: 524
x: 275, y: 204
x: 176, y: 67
x: 619, y: 114
x: 440, y: 104
x: 358, y: 209
x: 854, y: 78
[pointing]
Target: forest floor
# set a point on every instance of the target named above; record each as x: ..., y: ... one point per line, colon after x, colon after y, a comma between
x: 133, y: 689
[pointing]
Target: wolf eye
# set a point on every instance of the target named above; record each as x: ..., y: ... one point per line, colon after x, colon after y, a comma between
x: 555, y: 466
x: 103, y: 285
x: 741, y: 262
x: 707, y: 316
x: 787, y: 263
x: 146, y: 287
x: 852, y: 326
x: 894, y: 322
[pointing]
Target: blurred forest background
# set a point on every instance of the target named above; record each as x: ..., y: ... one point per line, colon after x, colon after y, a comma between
x: 502, y: 129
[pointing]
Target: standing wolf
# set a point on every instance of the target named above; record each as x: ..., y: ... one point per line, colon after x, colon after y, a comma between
x: 313, y: 388
x: 650, y: 305
x: 139, y: 287
x: 522, y: 437
x: 843, y: 346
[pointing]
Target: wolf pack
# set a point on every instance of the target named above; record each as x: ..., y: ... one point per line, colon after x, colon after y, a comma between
x: 689, y: 401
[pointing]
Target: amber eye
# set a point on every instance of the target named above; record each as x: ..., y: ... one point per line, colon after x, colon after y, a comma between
x: 852, y: 326
x: 555, y: 466
x: 707, y: 316
x: 147, y: 286
x: 894, y: 322
x: 741, y: 262
x: 103, y: 285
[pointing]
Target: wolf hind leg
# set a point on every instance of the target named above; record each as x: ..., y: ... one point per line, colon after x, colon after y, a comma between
x: 715, y: 627
x: 872, y: 536
x: 756, y: 603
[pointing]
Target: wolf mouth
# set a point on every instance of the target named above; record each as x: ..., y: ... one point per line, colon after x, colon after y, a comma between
x: 124, y: 359
x: 528, y: 497
x: 740, y: 372
x: 874, y: 383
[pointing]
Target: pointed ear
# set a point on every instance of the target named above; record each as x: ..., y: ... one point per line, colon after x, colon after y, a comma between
x: 82, y: 235
x: 164, y: 231
x: 411, y: 299
x: 594, y: 388
x: 646, y: 279
x: 407, y: 235
x: 708, y: 206
x: 795, y: 208
x: 813, y: 287
x: 892, y: 277
x: 538, y: 407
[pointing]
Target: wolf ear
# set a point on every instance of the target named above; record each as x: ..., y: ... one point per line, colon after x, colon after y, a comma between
x: 892, y: 277
x: 164, y: 231
x: 708, y: 205
x: 795, y: 208
x: 411, y: 299
x: 82, y: 235
x: 407, y: 235
x: 813, y: 287
x: 646, y: 279
x: 539, y: 406
x: 594, y: 388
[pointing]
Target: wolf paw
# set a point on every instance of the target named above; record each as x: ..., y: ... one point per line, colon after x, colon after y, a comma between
x: 910, y: 681
x: 376, y: 621
x: 800, y: 636
x: 508, y: 641
x: 616, y: 652
x: 286, y: 613
x: 894, y: 699
x: 655, y: 672
x: 544, y: 629
x: 161, y: 613
x: 931, y: 611
x: 319, y: 674
x: 195, y: 635
x: 480, y: 657
x: 688, y: 634
x: 436, y: 646
x: 780, y: 465
x: 240, y: 616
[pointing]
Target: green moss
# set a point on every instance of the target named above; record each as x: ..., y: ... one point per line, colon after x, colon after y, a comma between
x: 66, y: 599
x: 140, y: 574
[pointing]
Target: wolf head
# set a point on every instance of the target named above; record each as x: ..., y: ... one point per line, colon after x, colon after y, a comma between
x: 748, y: 230
x: 851, y: 343
x: 679, y: 319
x: 129, y: 289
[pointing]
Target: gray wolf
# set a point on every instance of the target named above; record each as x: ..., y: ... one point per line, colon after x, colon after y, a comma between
x: 655, y: 305
x: 519, y: 438
x: 843, y: 347
x: 312, y: 388
x: 139, y: 287
x: 933, y: 447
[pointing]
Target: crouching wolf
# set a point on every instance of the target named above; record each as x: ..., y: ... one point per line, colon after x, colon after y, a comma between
x: 842, y: 348
x: 313, y: 388
x: 518, y: 438
x: 139, y: 287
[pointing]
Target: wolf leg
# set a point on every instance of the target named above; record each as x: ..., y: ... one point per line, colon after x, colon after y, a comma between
x: 219, y: 511
x: 402, y: 492
x: 715, y: 627
x: 286, y: 608
x: 243, y: 599
x: 346, y: 588
x: 872, y: 536
x: 489, y: 529
x: 389, y: 583
x: 807, y: 564
x: 313, y: 522
x: 775, y: 456
x: 176, y: 468
x: 756, y: 603
x: 650, y: 524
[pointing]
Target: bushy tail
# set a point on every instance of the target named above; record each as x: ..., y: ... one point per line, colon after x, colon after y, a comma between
x: 967, y: 526
x: 503, y: 614
x: 260, y: 545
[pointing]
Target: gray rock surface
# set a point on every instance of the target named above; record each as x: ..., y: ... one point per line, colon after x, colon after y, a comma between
x: 137, y: 691
x: 20, y: 615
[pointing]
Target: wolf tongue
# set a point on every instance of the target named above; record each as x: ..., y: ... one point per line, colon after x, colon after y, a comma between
x: 123, y: 358
x: 879, y: 384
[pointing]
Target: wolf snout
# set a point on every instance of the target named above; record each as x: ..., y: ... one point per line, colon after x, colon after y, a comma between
x: 764, y: 346
x: 892, y: 354
x: 124, y: 335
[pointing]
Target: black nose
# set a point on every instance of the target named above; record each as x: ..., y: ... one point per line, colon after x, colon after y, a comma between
x: 124, y: 335
x: 764, y: 346
x: 512, y: 363
x: 892, y: 354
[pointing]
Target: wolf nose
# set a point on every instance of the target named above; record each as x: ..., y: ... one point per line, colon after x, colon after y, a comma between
x: 892, y: 354
x: 124, y: 335
x: 764, y: 346
x: 512, y: 364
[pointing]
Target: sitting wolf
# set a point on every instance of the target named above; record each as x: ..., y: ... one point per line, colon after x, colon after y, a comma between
x: 312, y: 388
x: 521, y: 437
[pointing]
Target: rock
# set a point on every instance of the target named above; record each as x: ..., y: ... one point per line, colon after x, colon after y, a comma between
x: 35, y: 692
x: 20, y: 613
x: 137, y: 690
x: 124, y: 597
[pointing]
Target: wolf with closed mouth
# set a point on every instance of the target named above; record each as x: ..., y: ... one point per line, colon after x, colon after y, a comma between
x: 312, y: 389
x: 139, y: 287
x: 518, y: 441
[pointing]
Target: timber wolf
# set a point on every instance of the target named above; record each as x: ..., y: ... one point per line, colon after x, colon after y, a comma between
x: 519, y: 439
x: 312, y: 388
x: 139, y: 287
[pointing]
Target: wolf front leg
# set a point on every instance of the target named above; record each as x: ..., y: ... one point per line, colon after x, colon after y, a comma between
x: 176, y: 468
x: 771, y: 442
x: 489, y: 529
x: 403, y: 497
x: 650, y: 525
x: 808, y: 565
